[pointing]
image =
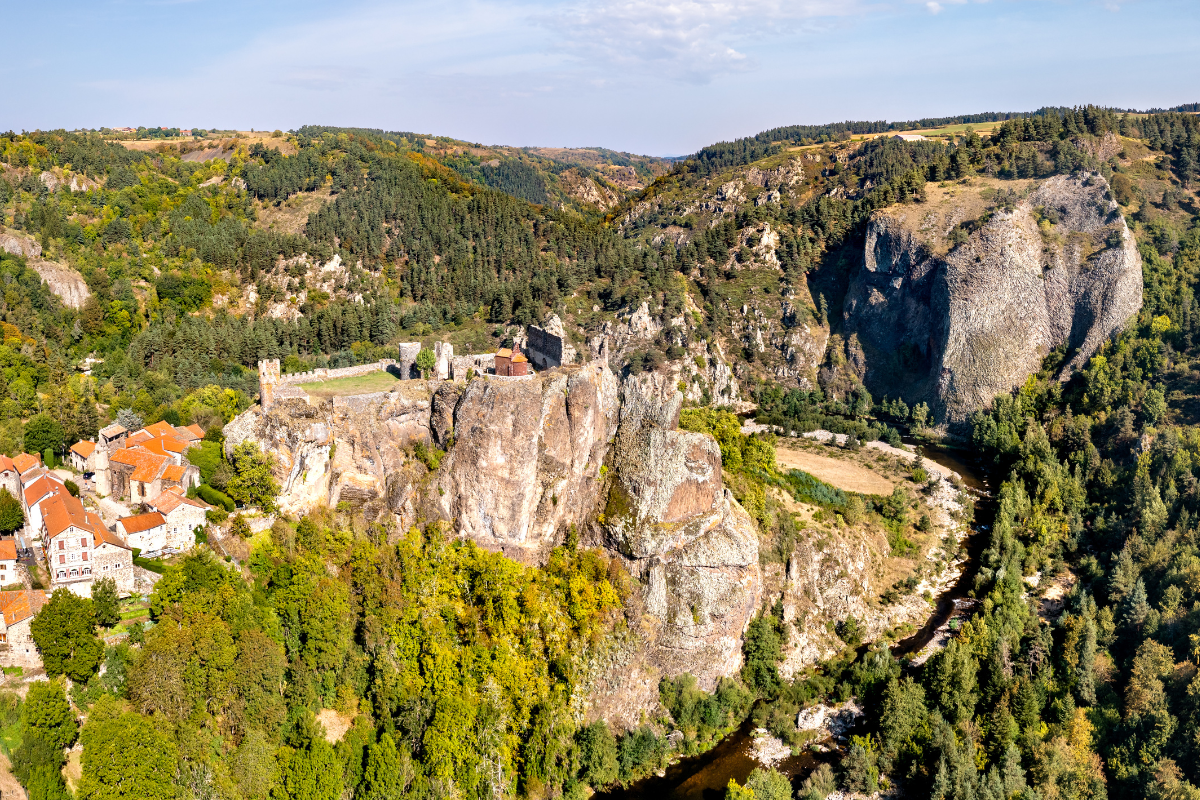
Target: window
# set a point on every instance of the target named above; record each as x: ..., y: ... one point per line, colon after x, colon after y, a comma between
x: 62, y: 573
x: 85, y: 556
x: 62, y: 559
x: 83, y: 542
x: 87, y: 570
x: 74, y: 572
x: 62, y: 544
x: 3, y: 637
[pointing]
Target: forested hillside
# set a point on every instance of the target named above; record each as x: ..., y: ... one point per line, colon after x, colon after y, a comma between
x: 458, y: 673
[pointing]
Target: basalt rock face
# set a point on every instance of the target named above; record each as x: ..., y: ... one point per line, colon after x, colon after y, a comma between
x: 526, y: 462
x: 352, y: 449
x: 956, y: 328
x: 692, y: 547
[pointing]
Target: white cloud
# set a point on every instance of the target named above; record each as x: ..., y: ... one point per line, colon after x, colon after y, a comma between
x: 934, y: 8
x: 693, y: 40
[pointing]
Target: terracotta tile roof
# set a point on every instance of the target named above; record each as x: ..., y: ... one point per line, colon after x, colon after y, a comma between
x: 138, y: 438
x: 21, y: 605
x: 172, y: 498
x: 105, y: 536
x: 147, y: 466
x: 173, y: 472
x: 8, y: 549
x: 172, y: 445
x: 33, y: 475
x: 84, y: 448
x: 40, y: 488
x: 161, y: 428
x: 519, y: 358
x: 141, y: 522
x: 504, y: 352
x: 62, y: 512
x: 6, y: 464
x: 113, y: 431
x: 196, y: 430
x: 25, y: 462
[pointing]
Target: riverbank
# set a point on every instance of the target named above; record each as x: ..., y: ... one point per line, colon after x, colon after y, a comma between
x: 705, y: 776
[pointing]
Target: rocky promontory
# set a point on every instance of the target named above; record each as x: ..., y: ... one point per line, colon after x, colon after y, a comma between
x: 959, y: 300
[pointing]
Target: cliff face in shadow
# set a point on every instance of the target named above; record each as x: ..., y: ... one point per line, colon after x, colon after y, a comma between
x: 953, y: 308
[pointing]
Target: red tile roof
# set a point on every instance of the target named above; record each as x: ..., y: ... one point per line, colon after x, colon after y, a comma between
x: 147, y: 466
x: 45, y: 485
x: 196, y: 430
x: 161, y: 428
x: 172, y: 498
x: 84, y: 448
x: 173, y: 472
x: 138, y: 438
x: 6, y: 464
x: 25, y: 462
x: 105, y: 536
x: 62, y: 512
x: 141, y: 522
x: 22, y: 605
x: 8, y: 549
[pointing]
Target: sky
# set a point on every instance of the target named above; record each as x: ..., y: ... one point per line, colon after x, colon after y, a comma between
x: 657, y: 78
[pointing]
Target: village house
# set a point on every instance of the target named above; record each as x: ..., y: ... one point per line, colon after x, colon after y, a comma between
x: 147, y: 462
x: 9, y: 570
x: 34, y: 498
x: 79, y: 548
x: 82, y: 456
x: 9, y: 479
x: 17, y: 610
x: 182, y: 514
x: 25, y: 463
x: 146, y: 532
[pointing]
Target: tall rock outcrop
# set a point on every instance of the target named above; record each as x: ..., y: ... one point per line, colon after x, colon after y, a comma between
x: 956, y: 324
x: 692, y: 547
x: 527, y: 458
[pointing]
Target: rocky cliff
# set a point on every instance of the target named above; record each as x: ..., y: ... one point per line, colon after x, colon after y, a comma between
x: 356, y: 449
x: 527, y: 460
x: 693, y: 549
x: 60, y: 278
x: 953, y: 308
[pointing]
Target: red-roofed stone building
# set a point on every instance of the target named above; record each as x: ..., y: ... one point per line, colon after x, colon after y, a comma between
x: 82, y: 456
x: 79, y: 549
x: 146, y: 532
x: 182, y: 514
x: 17, y: 610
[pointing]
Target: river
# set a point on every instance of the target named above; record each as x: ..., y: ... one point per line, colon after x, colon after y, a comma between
x: 705, y: 776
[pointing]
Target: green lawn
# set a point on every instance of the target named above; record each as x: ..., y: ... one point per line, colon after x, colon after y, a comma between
x: 359, y: 384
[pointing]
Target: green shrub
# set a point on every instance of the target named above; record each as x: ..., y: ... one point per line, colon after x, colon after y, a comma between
x: 215, y: 498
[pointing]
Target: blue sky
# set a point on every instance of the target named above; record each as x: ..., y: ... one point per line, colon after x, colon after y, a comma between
x: 662, y: 78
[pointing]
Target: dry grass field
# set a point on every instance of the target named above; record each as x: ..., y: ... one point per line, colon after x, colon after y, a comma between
x: 844, y: 474
x: 358, y: 384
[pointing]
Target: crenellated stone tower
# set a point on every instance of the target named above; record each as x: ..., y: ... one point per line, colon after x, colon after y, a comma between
x: 268, y: 381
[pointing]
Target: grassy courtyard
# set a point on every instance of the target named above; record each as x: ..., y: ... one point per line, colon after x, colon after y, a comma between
x: 359, y: 384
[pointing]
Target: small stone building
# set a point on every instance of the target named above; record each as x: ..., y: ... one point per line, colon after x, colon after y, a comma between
x: 511, y: 363
x: 17, y: 610
x: 182, y: 515
x: 146, y: 532
x: 83, y: 456
x: 9, y: 479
